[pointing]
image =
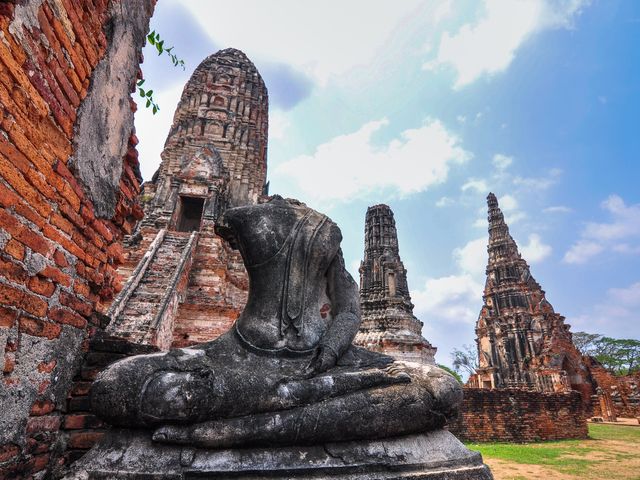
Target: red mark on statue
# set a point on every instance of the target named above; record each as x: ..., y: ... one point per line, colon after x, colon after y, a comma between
x: 326, y: 308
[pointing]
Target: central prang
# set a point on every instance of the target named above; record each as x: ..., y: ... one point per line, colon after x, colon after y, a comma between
x: 286, y: 373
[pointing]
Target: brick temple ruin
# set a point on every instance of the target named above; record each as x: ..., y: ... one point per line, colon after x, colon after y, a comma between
x: 186, y: 285
x: 532, y: 383
x: 522, y: 342
x: 388, y: 324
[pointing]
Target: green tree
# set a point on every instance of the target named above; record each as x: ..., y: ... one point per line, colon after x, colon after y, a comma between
x: 618, y: 355
x: 465, y: 359
x: 453, y: 373
x: 585, y: 342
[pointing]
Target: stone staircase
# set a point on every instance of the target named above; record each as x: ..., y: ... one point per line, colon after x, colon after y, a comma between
x: 144, y: 311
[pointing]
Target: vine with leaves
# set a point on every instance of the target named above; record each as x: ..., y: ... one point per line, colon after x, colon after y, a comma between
x: 154, y: 39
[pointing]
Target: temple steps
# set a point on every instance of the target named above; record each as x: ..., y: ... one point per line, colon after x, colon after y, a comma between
x: 156, y: 288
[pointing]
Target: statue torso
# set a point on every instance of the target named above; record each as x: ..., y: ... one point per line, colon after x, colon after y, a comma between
x: 291, y: 248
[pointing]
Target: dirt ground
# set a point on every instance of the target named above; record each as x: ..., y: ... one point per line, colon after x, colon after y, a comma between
x: 606, y: 459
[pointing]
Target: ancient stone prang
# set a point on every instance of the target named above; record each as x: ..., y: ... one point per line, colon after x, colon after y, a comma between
x: 388, y: 323
x: 522, y: 342
x: 222, y: 114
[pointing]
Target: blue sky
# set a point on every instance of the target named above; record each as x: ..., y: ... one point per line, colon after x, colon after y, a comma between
x: 429, y: 105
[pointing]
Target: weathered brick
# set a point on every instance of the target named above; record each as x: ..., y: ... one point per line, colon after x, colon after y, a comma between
x: 9, y: 362
x: 15, y: 249
x: 45, y: 423
x: 41, y: 286
x: 39, y: 328
x: 84, y: 440
x: 67, y: 317
x: 42, y: 407
x: 57, y: 275
x: 8, y: 451
x: 40, y: 462
x: 73, y: 302
x: 60, y: 258
x: 8, y: 317
x: 12, y: 271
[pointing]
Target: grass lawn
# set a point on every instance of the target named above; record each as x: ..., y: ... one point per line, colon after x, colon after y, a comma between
x: 611, y: 452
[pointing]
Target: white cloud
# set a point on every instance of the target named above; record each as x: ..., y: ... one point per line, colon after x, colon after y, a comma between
x: 508, y: 203
x: 626, y: 248
x: 535, y: 251
x: 614, y: 235
x: 489, y: 45
x: 479, y: 186
x: 472, y: 258
x: 462, y: 119
x: 481, y: 222
x: 279, y: 124
x: 150, y: 128
x: 501, y: 162
x: 317, y: 38
x: 417, y: 159
x: 509, y: 206
x: 582, y: 251
x: 557, y: 209
x: 444, y: 202
x: 455, y: 298
x: 539, y: 183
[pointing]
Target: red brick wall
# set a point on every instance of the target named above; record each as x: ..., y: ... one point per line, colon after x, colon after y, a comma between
x: 57, y: 258
x: 623, y: 391
x: 512, y: 415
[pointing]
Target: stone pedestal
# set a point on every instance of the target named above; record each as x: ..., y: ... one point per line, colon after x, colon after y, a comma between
x: 131, y: 455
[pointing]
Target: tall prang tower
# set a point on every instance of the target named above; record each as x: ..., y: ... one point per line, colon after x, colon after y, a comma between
x: 186, y: 285
x: 388, y: 324
x: 522, y: 342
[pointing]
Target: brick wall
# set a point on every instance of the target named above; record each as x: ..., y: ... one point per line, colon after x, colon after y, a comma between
x: 622, y: 392
x: 514, y: 415
x: 63, y: 81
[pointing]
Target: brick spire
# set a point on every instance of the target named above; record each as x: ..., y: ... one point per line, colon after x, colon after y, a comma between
x: 521, y: 341
x: 388, y: 323
x: 222, y: 115
x: 509, y: 282
x: 502, y: 246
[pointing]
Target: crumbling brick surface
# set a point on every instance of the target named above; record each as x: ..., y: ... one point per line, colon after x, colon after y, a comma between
x: 620, y: 393
x: 59, y: 60
x: 215, y: 152
x: 517, y: 415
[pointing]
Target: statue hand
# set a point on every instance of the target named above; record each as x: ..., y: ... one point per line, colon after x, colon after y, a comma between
x: 323, y: 359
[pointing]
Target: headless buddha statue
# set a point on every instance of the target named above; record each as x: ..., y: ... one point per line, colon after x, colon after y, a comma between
x: 286, y: 372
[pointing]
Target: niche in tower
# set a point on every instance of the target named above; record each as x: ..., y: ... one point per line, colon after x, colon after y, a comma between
x: 190, y: 214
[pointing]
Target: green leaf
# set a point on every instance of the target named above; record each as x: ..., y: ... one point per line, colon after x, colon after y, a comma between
x: 149, y: 93
x: 140, y: 82
x: 148, y: 103
x: 141, y: 91
x: 155, y: 109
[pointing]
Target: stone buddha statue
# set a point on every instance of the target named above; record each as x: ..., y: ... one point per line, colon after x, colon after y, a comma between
x: 286, y: 373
